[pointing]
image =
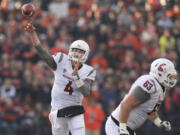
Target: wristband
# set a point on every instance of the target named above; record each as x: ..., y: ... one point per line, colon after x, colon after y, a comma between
x: 123, y: 126
x: 157, y: 122
x: 76, y: 77
x: 79, y: 83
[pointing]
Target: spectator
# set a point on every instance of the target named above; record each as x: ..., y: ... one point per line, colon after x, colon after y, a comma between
x: 166, y: 41
x: 7, y: 90
x: 165, y: 22
x: 108, y: 93
x: 94, y: 116
x: 11, y: 117
x: 41, y: 121
x: 26, y: 121
x: 99, y: 61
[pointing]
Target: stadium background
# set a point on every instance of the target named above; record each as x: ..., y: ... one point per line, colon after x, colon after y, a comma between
x: 124, y: 37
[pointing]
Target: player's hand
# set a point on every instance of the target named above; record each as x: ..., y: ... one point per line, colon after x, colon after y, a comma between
x: 123, y: 132
x: 31, y: 30
x: 166, y: 125
x: 76, y: 67
x: 29, y: 27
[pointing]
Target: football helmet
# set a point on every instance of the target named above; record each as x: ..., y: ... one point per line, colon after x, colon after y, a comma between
x: 81, y: 45
x: 164, y: 71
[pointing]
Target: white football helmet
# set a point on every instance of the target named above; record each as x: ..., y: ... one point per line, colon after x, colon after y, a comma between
x: 164, y: 71
x: 82, y: 45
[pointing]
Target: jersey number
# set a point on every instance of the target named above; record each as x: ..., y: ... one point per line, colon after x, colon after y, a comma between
x: 68, y: 88
x: 147, y: 85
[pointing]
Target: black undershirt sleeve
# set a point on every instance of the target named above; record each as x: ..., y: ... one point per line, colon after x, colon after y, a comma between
x: 140, y: 94
x: 46, y: 56
x: 86, y: 88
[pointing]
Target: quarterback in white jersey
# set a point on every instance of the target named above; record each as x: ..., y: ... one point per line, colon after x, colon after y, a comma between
x: 73, y: 81
x: 143, y: 100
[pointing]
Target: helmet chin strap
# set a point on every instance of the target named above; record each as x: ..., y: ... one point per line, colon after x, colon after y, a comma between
x: 165, y: 85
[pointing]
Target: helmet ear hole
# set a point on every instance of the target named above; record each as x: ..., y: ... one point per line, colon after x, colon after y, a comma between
x: 156, y: 65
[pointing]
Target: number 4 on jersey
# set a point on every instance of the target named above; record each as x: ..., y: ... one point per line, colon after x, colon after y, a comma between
x: 68, y: 88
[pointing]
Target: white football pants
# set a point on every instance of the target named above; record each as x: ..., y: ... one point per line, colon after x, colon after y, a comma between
x: 111, y: 128
x: 61, y: 126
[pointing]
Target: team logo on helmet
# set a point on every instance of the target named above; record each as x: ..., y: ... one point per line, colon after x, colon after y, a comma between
x: 160, y: 68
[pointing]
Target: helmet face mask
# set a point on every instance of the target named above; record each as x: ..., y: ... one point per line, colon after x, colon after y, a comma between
x: 171, y: 80
x: 78, y: 49
x: 164, y: 71
x: 76, y: 54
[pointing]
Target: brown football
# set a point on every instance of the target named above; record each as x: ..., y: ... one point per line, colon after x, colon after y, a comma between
x: 28, y: 10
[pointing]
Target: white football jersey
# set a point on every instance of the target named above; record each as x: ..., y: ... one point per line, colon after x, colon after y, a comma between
x: 64, y: 91
x: 139, y: 114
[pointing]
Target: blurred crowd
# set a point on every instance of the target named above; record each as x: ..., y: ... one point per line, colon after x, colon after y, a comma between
x: 125, y: 36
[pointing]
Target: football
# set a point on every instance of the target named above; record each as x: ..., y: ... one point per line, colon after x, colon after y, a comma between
x: 28, y: 10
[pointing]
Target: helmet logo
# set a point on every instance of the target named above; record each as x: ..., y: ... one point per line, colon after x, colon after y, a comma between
x: 160, y: 67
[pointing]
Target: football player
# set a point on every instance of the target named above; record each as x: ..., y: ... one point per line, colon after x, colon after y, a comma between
x: 73, y: 80
x: 143, y: 100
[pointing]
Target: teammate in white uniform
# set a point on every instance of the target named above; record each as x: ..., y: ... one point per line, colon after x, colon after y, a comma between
x: 143, y: 100
x: 73, y: 81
